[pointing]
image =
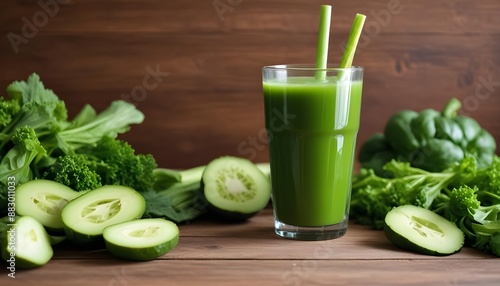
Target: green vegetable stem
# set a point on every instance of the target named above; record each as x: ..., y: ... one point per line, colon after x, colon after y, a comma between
x: 479, y: 223
x: 176, y: 195
x: 26, y: 150
x: 464, y: 193
x: 429, y: 140
x: 374, y: 196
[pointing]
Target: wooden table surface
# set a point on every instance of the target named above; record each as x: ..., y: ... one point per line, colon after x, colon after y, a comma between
x: 214, y: 253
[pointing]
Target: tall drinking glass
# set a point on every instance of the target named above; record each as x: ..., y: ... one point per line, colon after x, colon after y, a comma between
x: 312, y: 120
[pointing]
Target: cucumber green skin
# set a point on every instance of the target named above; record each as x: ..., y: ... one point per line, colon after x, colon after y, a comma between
x: 88, y: 240
x: 5, y: 253
x: 229, y: 216
x: 55, y: 231
x: 84, y: 240
x: 404, y: 243
x: 142, y: 254
x: 21, y: 263
x: 226, y: 215
x: 56, y: 239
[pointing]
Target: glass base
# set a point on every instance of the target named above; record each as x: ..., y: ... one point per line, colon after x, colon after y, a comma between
x: 310, y: 233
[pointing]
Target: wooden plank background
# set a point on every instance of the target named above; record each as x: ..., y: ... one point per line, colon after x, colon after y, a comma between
x: 417, y: 54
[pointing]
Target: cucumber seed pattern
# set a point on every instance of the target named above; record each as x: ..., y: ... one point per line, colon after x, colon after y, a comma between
x: 234, y: 185
x: 145, y: 232
x: 101, y: 211
x: 426, y: 228
x: 49, y: 203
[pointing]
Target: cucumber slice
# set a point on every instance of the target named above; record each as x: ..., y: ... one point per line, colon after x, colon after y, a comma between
x: 142, y: 240
x: 85, y: 217
x: 235, y: 188
x: 421, y: 230
x: 26, y: 244
x: 56, y: 239
x: 264, y: 168
x: 44, y: 200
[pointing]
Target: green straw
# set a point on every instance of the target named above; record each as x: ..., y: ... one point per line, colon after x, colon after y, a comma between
x: 352, y: 42
x: 324, y: 33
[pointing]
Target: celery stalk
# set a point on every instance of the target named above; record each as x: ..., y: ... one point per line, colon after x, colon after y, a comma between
x: 178, y: 196
x: 352, y: 42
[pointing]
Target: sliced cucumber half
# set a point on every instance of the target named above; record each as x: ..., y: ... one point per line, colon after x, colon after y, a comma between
x: 142, y: 240
x: 235, y: 188
x: 85, y: 217
x: 26, y: 244
x: 44, y: 201
x: 421, y: 230
x: 56, y: 239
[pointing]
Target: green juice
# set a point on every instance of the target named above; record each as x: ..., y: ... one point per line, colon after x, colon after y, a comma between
x: 312, y: 127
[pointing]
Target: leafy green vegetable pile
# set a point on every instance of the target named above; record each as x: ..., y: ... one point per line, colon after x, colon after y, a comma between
x: 465, y: 190
x: 429, y: 140
x: 73, y: 179
x: 37, y: 141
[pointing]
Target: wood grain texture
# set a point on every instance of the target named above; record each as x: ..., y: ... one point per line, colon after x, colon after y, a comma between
x: 194, y: 16
x: 416, y: 54
x: 215, y: 253
x: 274, y: 272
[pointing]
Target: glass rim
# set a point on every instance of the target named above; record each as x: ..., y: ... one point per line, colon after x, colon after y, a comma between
x: 309, y: 67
